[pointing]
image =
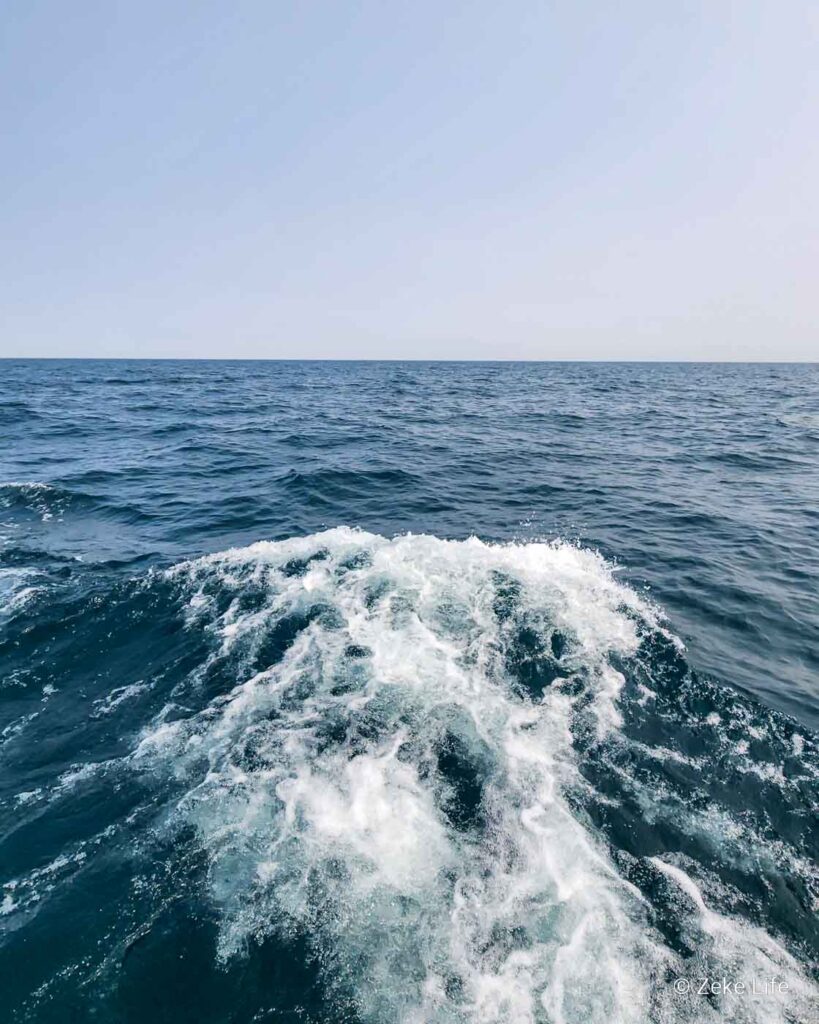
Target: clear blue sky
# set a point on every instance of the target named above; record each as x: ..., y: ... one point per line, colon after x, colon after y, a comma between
x: 468, y: 180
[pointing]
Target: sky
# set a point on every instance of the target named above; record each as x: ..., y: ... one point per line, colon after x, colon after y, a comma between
x: 434, y: 180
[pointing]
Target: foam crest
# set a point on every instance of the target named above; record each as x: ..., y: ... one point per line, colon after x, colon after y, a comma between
x: 17, y: 589
x: 389, y: 775
x: 42, y: 499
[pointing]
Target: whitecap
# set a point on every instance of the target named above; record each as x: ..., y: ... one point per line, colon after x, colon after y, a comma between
x: 385, y: 780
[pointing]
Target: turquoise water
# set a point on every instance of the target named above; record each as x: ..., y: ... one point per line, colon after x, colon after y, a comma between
x: 408, y: 692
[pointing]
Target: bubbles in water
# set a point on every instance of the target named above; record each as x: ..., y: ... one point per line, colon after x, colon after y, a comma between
x: 391, y: 776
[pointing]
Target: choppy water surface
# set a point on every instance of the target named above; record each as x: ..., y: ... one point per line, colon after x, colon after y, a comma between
x: 408, y: 692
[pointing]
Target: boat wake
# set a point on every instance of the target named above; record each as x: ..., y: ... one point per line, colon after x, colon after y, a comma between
x: 477, y: 781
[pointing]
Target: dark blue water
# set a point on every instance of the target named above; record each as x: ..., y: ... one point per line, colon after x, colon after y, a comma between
x: 408, y: 692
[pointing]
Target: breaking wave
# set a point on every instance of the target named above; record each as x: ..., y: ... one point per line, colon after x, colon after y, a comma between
x: 481, y: 784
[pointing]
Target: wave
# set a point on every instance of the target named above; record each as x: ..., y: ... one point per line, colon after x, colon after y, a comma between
x: 482, y: 784
x: 42, y: 499
x: 17, y: 588
x: 347, y: 483
x: 15, y: 413
x: 807, y: 421
x: 51, y: 503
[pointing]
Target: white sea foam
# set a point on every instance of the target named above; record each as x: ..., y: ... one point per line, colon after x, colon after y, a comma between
x: 16, y: 589
x: 24, y: 894
x: 40, y: 498
x: 325, y: 786
x: 112, y: 700
x: 759, y: 969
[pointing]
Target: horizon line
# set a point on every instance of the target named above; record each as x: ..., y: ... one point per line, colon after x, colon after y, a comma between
x: 407, y: 359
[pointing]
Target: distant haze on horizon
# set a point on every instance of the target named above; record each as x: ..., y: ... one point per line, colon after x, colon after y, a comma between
x: 435, y: 181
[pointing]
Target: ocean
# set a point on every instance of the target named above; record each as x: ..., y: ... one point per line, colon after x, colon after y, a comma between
x: 409, y: 692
